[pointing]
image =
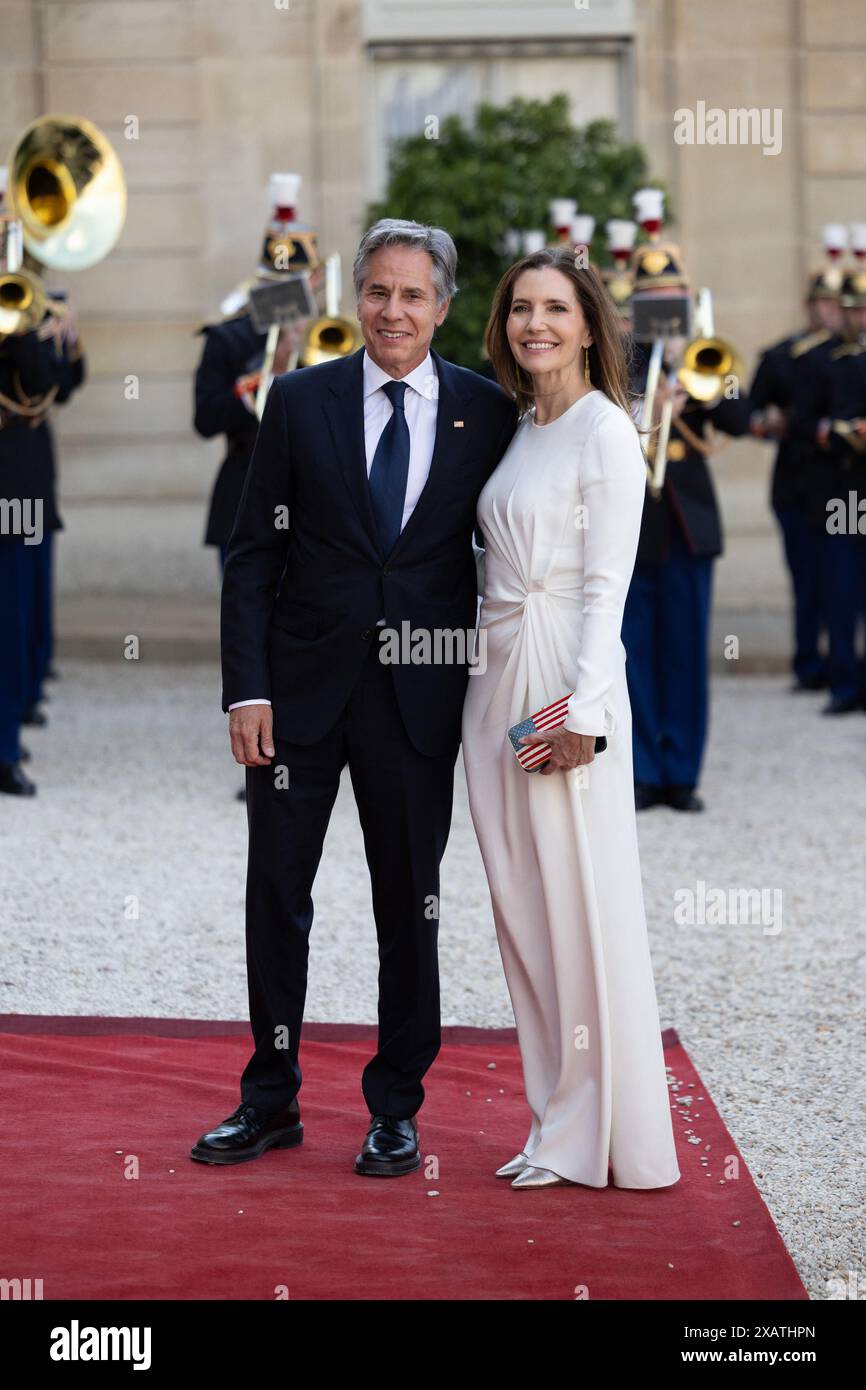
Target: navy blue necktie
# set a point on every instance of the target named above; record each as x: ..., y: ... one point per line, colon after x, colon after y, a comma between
x: 389, y: 471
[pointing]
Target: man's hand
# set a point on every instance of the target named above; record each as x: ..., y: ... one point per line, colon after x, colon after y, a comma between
x: 567, y: 750
x: 251, y: 730
x: 675, y: 393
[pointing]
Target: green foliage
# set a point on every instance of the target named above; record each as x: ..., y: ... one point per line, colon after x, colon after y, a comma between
x: 501, y: 173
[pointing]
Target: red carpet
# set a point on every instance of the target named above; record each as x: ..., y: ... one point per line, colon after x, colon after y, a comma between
x: 90, y: 1099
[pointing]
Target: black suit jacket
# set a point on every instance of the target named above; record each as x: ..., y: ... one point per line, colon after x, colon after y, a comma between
x: 300, y: 602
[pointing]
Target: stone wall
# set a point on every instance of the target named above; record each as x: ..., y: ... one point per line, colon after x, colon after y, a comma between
x: 223, y: 94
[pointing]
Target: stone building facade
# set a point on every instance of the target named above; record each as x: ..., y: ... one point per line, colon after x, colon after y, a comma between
x: 202, y: 100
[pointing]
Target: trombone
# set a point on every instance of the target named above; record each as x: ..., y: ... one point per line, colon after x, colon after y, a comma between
x: 706, y: 364
x: 330, y: 336
x: 708, y: 361
x: 327, y: 337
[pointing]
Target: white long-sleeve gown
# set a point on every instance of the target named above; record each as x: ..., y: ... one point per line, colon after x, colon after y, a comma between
x: 561, y: 517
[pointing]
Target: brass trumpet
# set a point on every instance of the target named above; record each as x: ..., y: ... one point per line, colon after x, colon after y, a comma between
x: 23, y: 299
x: 23, y: 302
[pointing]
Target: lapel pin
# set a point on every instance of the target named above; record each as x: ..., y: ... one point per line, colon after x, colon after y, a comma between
x: 458, y: 424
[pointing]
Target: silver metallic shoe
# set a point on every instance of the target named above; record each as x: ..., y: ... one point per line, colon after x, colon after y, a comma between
x: 540, y: 1177
x: 513, y: 1166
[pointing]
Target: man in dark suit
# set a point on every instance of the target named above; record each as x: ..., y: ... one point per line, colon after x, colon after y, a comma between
x: 377, y: 460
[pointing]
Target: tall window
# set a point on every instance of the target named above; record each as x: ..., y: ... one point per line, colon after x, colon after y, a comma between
x: 411, y: 82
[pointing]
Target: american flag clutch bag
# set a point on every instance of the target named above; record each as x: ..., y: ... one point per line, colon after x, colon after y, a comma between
x: 533, y: 756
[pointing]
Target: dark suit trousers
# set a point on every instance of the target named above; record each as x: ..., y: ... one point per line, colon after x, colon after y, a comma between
x: 404, y: 805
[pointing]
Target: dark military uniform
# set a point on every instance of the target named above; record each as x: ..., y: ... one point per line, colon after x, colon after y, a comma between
x: 30, y: 371
x: 774, y: 384
x: 232, y: 349
x: 832, y: 470
x: 666, y: 621
x: 70, y: 376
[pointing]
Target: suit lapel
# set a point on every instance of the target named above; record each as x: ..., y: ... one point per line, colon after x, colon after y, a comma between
x: 346, y: 424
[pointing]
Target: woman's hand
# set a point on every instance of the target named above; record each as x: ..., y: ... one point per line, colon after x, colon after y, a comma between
x: 567, y: 750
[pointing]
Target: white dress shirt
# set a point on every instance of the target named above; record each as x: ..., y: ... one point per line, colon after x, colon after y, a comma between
x: 421, y: 405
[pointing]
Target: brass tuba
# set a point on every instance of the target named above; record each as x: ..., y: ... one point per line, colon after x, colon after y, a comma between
x: 67, y: 187
x: 66, y: 201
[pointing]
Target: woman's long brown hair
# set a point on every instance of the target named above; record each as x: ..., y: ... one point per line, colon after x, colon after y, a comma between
x: 608, y: 352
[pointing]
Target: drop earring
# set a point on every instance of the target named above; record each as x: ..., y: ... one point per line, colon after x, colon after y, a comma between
x: 586, y: 375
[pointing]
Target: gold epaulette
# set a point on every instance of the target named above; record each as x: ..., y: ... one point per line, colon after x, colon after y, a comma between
x: 846, y: 350
x: 809, y: 341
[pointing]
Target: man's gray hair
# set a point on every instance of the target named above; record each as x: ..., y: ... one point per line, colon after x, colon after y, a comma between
x: 394, y: 231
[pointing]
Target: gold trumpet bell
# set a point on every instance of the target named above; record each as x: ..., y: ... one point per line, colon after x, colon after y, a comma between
x: 23, y: 302
x: 707, y: 364
x: 330, y: 337
x: 67, y: 186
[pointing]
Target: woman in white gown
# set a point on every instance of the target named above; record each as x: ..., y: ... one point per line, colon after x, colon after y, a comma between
x: 560, y: 516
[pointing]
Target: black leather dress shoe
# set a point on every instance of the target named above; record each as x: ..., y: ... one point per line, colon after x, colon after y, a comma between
x: 390, y: 1148
x: 808, y: 683
x: 14, y: 780
x: 646, y: 795
x: 838, y: 706
x: 682, y: 798
x: 248, y: 1132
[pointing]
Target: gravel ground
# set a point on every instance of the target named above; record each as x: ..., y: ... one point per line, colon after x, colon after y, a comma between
x: 123, y: 887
